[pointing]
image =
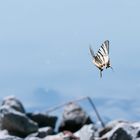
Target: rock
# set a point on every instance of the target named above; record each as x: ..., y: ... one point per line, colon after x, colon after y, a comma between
x: 3, y: 133
x: 70, y: 136
x: 43, y: 119
x: 110, y: 126
x: 74, y: 117
x: 54, y: 137
x: 87, y: 132
x: 16, y: 122
x: 120, y: 134
x: 66, y: 135
x: 42, y: 132
x: 5, y: 136
x: 45, y: 131
x: 33, y: 138
x: 136, y: 125
x: 14, y: 103
x: 121, y: 131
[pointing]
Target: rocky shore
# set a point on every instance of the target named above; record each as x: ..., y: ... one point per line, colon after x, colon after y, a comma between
x: 17, y: 124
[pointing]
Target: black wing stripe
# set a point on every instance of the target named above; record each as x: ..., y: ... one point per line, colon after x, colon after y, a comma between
x: 100, y: 53
x: 103, y: 48
x: 107, y: 45
x: 98, y: 58
x: 102, y: 56
x: 97, y: 61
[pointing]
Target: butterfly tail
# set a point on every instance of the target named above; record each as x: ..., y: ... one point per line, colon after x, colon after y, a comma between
x: 100, y: 73
x: 91, y: 51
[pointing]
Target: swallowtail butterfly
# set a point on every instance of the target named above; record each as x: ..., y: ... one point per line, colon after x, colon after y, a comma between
x: 101, y: 58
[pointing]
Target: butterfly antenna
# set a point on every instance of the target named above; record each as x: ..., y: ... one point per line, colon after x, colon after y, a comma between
x: 112, y: 69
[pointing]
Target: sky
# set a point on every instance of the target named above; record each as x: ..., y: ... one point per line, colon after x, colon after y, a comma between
x: 44, y: 49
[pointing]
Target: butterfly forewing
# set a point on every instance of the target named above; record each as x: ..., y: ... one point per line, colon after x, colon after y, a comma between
x: 98, y: 60
x: 105, y: 47
x: 100, y: 57
x: 104, y: 51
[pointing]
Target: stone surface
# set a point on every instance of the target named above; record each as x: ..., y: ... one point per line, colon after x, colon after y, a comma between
x: 33, y: 138
x: 66, y: 135
x: 45, y: 131
x: 74, y: 117
x: 42, y: 132
x: 121, y: 130
x: 5, y: 136
x: 16, y: 122
x: 110, y: 126
x: 14, y: 103
x: 120, y: 134
x: 87, y: 132
x: 43, y: 119
x: 55, y: 137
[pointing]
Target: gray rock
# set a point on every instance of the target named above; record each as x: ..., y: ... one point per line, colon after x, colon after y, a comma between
x: 87, y: 132
x: 110, y: 126
x: 33, y: 138
x: 66, y: 135
x: 5, y: 136
x: 45, y: 131
x: 16, y: 122
x: 14, y: 103
x: 74, y: 117
x: 54, y: 137
x: 42, y: 132
x: 120, y: 134
x: 43, y: 119
x: 121, y: 131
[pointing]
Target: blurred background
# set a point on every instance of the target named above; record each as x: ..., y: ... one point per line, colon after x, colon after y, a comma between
x: 45, y: 59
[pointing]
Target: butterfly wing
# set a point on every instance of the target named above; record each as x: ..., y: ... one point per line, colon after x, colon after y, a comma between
x: 104, y: 52
x: 96, y: 58
x: 106, y: 43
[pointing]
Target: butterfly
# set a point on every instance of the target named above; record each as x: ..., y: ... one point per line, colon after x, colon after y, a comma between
x: 101, y: 58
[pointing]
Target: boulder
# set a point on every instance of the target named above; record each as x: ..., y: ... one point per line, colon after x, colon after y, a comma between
x: 121, y: 131
x: 109, y: 126
x: 87, y: 132
x: 16, y: 122
x: 120, y: 134
x: 74, y: 117
x: 43, y: 119
x: 14, y: 103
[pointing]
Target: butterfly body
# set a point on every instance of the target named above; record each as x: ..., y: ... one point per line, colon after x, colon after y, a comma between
x: 101, y: 59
